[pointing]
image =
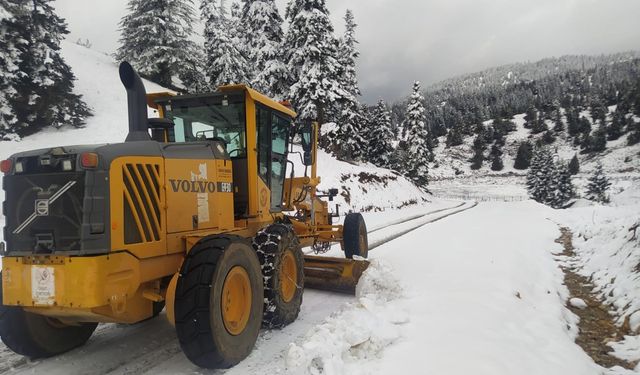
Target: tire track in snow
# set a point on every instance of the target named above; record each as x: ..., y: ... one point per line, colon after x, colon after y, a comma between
x: 407, y: 226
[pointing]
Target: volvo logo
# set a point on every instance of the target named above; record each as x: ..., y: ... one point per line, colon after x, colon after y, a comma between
x: 186, y: 186
x: 42, y: 207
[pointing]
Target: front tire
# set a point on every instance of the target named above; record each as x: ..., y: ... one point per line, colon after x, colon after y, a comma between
x: 355, y: 237
x: 37, y: 336
x: 282, y: 262
x: 218, y: 302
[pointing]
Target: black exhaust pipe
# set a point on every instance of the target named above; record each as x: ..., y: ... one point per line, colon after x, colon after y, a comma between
x: 137, y: 103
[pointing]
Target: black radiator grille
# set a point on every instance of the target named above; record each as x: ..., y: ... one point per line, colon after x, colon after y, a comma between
x: 44, y: 212
x: 142, y: 216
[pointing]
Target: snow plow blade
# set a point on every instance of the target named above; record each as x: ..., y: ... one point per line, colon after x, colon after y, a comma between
x: 334, y: 274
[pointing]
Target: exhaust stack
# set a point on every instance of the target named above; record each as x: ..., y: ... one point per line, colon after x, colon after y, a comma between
x: 137, y: 103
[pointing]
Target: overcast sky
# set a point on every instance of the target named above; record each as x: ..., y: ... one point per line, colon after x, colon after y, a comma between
x: 430, y: 40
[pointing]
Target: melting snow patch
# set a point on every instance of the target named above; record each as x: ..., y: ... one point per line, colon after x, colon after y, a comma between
x: 627, y: 349
x: 359, y: 332
x: 578, y: 303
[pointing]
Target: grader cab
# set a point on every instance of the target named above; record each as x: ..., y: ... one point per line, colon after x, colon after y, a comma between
x: 199, y: 210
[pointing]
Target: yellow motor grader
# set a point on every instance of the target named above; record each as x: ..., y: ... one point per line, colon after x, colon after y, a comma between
x: 199, y: 210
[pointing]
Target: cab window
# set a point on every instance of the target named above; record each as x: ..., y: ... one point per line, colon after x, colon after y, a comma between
x: 217, y: 118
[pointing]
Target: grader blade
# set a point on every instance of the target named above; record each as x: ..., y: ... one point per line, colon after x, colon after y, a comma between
x: 334, y: 274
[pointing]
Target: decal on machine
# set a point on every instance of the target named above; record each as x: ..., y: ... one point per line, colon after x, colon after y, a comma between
x: 202, y: 196
x: 43, y: 286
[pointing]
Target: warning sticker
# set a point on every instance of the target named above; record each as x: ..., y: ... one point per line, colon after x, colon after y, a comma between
x: 43, y: 286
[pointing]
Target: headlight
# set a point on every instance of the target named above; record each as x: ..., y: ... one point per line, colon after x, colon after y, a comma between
x: 67, y: 165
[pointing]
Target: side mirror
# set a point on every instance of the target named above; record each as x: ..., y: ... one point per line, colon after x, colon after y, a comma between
x: 307, y: 136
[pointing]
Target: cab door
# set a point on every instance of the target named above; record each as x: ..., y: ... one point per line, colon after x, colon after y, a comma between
x: 273, y: 138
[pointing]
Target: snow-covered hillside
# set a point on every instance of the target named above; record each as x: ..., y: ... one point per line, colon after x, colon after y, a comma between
x: 99, y: 83
x: 618, y: 159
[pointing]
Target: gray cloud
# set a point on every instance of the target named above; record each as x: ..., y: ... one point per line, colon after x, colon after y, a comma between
x: 430, y: 40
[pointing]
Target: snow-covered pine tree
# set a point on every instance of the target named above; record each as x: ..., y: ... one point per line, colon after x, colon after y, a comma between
x: 311, y: 60
x: 479, y: 145
x: 380, y: 136
x: 454, y: 136
x: 9, y: 42
x: 264, y: 35
x: 417, y: 138
x: 598, y: 185
x: 349, y: 141
x: 541, y: 176
x: 564, y: 189
x: 598, y: 139
x: 496, y: 157
x: 155, y: 39
x: 348, y: 54
x: 615, y: 129
x: 43, y: 81
x: 523, y: 156
x: 225, y: 63
x: 574, y: 165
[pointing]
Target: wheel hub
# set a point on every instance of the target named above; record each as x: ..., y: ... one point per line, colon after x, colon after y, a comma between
x: 236, y: 300
x: 288, y: 276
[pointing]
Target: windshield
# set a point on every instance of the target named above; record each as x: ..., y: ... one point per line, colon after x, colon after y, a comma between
x: 217, y: 118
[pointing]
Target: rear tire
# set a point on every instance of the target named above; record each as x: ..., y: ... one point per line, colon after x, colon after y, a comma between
x: 355, y: 237
x: 218, y: 302
x: 37, y: 336
x: 282, y: 262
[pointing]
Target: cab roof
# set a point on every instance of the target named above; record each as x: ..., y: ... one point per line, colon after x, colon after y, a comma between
x: 153, y: 99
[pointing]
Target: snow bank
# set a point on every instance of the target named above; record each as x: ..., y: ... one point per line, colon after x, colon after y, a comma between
x: 607, y: 246
x: 606, y: 240
x: 357, y: 333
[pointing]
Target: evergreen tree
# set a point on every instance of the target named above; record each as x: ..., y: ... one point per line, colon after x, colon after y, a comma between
x: 479, y: 145
x: 454, y: 136
x: 380, y: 136
x: 9, y: 53
x: 573, y: 124
x: 564, y: 190
x: 584, y: 125
x: 523, y: 156
x: 539, y: 127
x: 614, y: 130
x: 311, y: 60
x: 225, y: 62
x: 541, y: 176
x: 417, y: 139
x: 156, y: 40
x: 42, y: 87
x: 531, y: 117
x: 496, y: 157
x: 559, y: 124
x: 264, y: 34
x: 349, y: 138
x: 634, y: 133
x: 574, y: 165
x: 599, y: 140
x: 548, y: 137
x: 598, y: 185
